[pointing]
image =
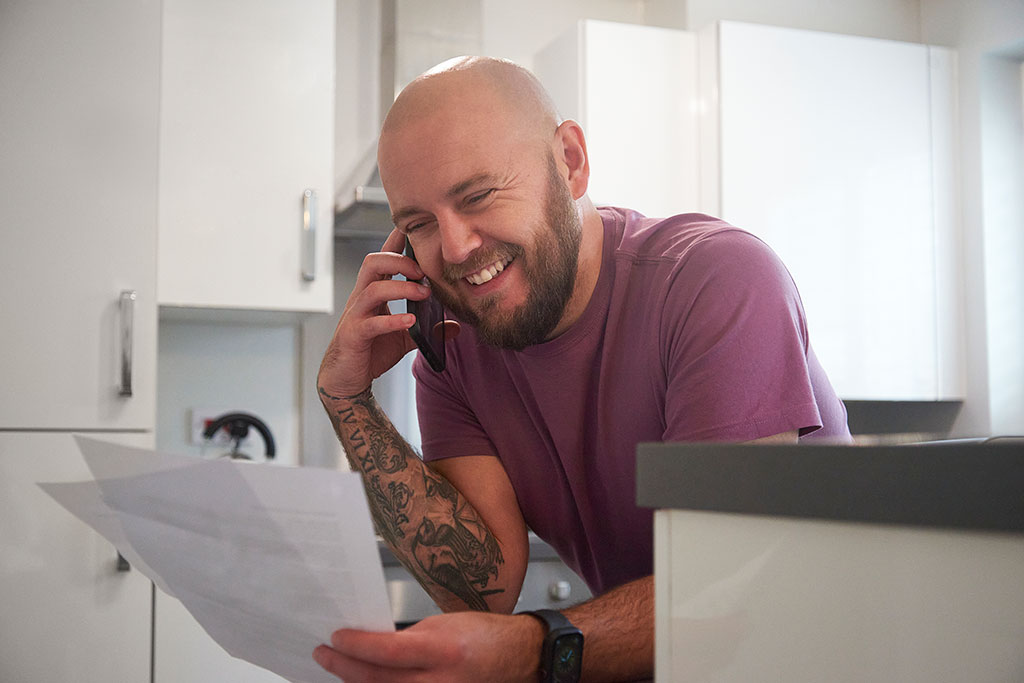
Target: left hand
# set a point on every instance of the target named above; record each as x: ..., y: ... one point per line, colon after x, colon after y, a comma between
x: 458, y: 646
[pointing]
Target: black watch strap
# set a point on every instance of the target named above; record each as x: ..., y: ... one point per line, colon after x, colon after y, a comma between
x: 562, y: 651
x: 552, y: 618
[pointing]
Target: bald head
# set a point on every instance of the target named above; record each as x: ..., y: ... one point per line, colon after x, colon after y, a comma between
x: 481, y: 175
x: 466, y: 90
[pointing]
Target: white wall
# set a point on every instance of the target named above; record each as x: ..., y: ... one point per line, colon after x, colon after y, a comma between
x: 1003, y: 236
x: 518, y: 30
x: 989, y: 38
x: 512, y: 29
x: 228, y: 367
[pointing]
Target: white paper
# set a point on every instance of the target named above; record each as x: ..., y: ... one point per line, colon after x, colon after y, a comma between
x: 84, y: 500
x: 268, y: 559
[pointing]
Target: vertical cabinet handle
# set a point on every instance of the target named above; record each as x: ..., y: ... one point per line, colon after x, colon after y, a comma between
x: 309, y: 235
x: 127, y: 310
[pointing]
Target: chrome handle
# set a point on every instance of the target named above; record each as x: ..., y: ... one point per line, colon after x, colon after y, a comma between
x: 309, y: 235
x: 127, y: 307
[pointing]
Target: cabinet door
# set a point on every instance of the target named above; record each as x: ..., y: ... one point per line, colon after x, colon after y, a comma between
x: 184, y: 653
x: 68, y: 613
x: 632, y: 90
x: 829, y: 151
x: 79, y: 84
x: 246, y: 128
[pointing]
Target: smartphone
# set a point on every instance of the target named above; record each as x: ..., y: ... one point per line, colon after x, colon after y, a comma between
x: 428, y: 330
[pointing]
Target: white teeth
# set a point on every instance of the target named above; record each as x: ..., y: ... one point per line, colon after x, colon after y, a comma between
x: 485, y: 274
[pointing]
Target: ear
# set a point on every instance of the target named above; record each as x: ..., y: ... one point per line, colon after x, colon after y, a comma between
x: 571, y: 150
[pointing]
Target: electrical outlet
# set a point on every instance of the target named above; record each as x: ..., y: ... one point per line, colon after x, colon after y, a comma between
x: 201, y: 417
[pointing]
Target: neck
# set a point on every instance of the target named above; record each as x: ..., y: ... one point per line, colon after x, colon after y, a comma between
x: 587, y: 269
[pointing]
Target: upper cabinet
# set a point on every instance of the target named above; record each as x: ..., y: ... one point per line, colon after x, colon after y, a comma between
x: 246, y: 156
x: 632, y: 89
x: 80, y: 86
x: 836, y: 150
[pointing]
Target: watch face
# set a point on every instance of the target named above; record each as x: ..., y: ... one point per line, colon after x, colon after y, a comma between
x: 566, y: 658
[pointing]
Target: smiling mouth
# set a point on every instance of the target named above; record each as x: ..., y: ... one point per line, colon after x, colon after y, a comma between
x: 488, y: 273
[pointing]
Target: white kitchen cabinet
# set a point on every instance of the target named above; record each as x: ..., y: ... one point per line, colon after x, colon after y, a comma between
x: 68, y: 613
x: 185, y: 653
x: 79, y: 131
x: 759, y: 597
x: 78, y: 183
x: 836, y: 150
x: 632, y: 89
x: 246, y: 129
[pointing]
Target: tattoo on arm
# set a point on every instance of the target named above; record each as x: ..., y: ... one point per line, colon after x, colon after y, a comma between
x: 461, y: 555
x: 389, y: 507
x: 441, y: 535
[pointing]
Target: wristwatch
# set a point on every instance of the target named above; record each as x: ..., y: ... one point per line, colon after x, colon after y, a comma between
x: 561, y: 655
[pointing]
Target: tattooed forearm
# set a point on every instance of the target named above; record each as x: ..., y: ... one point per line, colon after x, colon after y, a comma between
x: 430, y: 526
x: 460, y: 553
x: 389, y: 507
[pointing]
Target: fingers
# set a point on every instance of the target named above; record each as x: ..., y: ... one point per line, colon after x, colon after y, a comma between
x: 350, y: 669
x: 371, y: 300
x: 366, y: 656
x: 383, y: 265
x: 395, y: 242
x: 398, y: 650
x: 389, y: 261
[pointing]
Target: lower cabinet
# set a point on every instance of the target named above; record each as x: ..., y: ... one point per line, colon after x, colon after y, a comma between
x: 68, y: 613
x: 184, y: 653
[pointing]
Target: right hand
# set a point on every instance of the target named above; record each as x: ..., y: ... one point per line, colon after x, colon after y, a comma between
x: 369, y: 339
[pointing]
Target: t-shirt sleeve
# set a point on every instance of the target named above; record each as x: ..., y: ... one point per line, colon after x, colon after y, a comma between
x: 736, y: 345
x: 448, y: 427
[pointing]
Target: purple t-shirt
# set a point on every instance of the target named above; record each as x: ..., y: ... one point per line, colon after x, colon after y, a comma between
x: 695, y: 332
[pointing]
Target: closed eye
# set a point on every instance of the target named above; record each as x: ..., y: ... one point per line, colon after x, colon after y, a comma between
x: 479, y: 196
x: 414, y: 226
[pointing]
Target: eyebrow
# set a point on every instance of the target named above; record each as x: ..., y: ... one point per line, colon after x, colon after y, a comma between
x: 453, y: 191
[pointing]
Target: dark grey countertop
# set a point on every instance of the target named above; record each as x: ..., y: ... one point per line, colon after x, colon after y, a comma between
x: 968, y: 485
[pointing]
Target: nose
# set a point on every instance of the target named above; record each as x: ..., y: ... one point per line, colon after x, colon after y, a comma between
x: 459, y: 237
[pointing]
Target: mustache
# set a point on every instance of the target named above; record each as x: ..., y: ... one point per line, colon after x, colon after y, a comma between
x: 452, y: 273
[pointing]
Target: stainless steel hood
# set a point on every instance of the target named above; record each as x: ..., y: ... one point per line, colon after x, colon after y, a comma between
x: 361, y: 207
x: 428, y: 33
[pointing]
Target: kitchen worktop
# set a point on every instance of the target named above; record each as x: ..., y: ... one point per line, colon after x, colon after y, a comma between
x: 855, y: 563
x: 954, y: 484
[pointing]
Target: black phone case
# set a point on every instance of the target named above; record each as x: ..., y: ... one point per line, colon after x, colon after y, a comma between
x: 424, y: 310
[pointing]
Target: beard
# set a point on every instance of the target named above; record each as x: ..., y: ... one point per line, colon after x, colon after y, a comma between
x: 549, y: 268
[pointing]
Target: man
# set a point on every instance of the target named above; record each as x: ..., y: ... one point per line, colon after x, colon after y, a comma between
x: 584, y: 332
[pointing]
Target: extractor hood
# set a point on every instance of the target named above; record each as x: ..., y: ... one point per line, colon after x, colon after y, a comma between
x: 361, y: 207
x: 429, y: 33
